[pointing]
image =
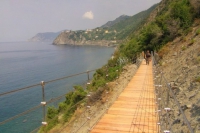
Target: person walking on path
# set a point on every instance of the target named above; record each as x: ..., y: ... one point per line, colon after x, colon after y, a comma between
x: 147, y: 57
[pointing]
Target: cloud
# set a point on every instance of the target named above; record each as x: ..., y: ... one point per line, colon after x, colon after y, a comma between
x: 88, y: 15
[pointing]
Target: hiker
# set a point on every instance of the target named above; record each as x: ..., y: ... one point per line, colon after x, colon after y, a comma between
x: 147, y: 57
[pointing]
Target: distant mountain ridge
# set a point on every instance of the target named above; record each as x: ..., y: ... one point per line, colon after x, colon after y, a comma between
x: 44, y: 37
x: 111, y: 23
x: 109, y: 34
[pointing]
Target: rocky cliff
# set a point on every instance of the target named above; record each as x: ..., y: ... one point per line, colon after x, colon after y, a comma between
x: 70, y: 37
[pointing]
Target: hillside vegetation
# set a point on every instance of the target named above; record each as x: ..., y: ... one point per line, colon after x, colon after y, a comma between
x: 170, y: 26
x: 174, y: 19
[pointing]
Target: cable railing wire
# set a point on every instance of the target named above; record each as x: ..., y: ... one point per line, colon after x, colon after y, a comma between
x: 87, y: 120
x: 179, y: 107
x: 69, y: 76
x: 48, y: 102
x: 20, y: 89
x: 30, y: 110
x: 166, y: 103
x: 31, y: 86
x: 21, y: 114
x: 53, y: 100
x: 36, y: 107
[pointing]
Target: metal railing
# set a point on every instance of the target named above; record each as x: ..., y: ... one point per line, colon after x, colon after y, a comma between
x: 84, y: 120
x: 171, y: 116
x: 43, y: 101
x: 87, y: 119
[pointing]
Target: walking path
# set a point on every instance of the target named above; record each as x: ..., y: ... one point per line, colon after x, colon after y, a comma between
x: 134, y: 110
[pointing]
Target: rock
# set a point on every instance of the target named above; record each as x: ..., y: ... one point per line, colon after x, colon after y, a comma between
x: 189, y: 106
x: 175, y: 54
x: 194, y: 68
x: 192, y: 96
x: 176, y: 121
x: 185, y: 67
x: 184, y: 107
x: 181, y: 80
x: 163, y: 63
x: 191, y: 86
x: 175, y: 87
x: 198, y: 119
x: 180, y: 88
x: 172, y: 83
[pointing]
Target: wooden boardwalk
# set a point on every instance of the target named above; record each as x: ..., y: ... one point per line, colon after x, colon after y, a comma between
x: 134, y: 110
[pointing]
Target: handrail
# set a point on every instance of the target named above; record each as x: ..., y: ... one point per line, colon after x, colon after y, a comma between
x: 43, y: 103
x: 27, y: 87
x: 177, y: 103
x: 38, y: 106
x: 167, y: 109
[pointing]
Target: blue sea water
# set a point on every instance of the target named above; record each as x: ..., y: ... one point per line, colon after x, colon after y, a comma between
x: 26, y: 63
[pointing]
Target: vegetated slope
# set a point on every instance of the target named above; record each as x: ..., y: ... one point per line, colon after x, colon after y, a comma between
x: 173, y: 29
x: 173, y: 18
x: 131, y: 24
x: 117, y: 20
x: 44, y: 37
x: 110, y: 33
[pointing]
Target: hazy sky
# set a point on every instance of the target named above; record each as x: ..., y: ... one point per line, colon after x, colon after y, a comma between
x: 22, y: 19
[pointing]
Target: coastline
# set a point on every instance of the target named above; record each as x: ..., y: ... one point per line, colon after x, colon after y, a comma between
x: 91, y: 43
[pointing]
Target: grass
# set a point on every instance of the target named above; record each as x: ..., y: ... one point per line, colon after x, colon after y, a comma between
x: 183, y: 48
x: 197, y: 79
x: 198, y: 32
x: 191, y: 42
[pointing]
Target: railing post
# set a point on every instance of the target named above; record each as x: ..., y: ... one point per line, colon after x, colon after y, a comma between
x: 167, y: 121
x: 88, y: 111
x: 117, y: 74
x: 43, y: 103
x: 88, y: 75
x: 168, y: 95
x: 106, y: 100
x: 106, y: 72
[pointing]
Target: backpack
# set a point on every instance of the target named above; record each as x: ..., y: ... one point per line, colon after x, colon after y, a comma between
x: 148, y: 55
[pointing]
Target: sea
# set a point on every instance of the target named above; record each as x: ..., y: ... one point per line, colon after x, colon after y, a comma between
x: 25, y: 64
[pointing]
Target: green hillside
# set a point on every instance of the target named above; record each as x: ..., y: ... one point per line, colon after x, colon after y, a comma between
x: 113, y: 30
x: 174, y: 19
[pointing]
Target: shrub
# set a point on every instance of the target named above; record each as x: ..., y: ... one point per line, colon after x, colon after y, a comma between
x: 51, y: 112
x: 191, y: 42
x: 98, y: 83
x: 52, y: 119
x: 163, y: 51
x: 150, y: 35
x: 198, y: 32
x: 182, y: 10
x: 197, y: 79
x: 183, y: 48
x: 62, y: 106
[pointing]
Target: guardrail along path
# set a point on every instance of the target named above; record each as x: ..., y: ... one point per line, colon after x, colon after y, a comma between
x: 134, y: 109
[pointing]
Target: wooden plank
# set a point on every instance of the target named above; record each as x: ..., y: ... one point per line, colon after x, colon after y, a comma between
x: 134, y: 110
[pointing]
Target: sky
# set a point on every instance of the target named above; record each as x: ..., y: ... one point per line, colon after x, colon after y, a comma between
x: 20, y: 20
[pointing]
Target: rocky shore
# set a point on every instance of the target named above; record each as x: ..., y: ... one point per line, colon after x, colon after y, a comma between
x: 65, y: 38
